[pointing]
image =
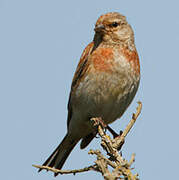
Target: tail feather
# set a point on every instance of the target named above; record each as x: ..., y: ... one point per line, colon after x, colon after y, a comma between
x: 86, y: 140
x: 61, y: 153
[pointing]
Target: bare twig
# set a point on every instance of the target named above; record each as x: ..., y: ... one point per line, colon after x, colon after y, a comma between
x: 74, y: 171
x: 121, y: 167
x: 99, y: 155
x: 121, y: 138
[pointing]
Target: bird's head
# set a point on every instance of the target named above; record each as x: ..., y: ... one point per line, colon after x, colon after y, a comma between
x: 113, y: 28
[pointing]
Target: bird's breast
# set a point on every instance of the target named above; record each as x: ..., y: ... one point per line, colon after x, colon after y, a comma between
x: 108, y: 87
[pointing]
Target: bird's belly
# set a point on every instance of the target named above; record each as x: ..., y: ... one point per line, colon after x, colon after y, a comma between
x: 105, y: 96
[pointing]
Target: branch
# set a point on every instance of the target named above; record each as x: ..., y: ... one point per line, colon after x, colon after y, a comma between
x: 121, y: 167
x: 74, y: 171
x: 120, y: 139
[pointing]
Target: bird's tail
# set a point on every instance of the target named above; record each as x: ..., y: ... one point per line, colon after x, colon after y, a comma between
x: 61, y: 153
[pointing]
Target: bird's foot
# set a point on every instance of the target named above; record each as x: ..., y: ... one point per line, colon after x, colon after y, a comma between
x: 115, y: 135
x: 98, y: 121
x: 113, y: 132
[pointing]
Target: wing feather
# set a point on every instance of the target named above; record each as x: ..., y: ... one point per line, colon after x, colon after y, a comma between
x: 79, y: 74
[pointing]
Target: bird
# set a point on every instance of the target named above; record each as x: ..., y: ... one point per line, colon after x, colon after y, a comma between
x: 105, y: 82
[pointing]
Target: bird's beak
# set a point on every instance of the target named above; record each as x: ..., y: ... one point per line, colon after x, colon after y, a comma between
x: 99, y: 28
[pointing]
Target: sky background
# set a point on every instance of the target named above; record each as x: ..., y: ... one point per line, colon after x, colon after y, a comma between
x: 41, y: 42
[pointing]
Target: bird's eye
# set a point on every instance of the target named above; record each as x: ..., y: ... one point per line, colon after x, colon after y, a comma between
x: 114, y: 24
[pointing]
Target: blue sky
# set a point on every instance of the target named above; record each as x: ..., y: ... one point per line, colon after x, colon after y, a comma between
x: 41, y: 42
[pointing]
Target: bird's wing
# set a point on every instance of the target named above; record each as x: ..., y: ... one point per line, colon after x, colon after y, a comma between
x: 80, y: 71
